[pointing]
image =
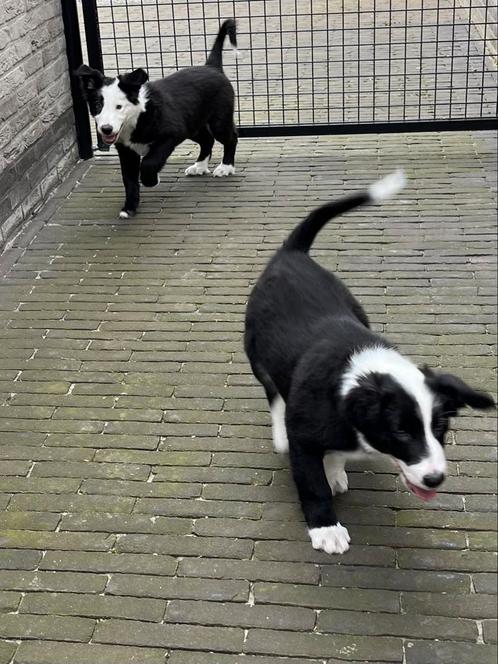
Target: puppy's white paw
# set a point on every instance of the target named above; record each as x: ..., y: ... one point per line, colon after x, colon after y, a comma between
x: 338, y: 482
x: 223, y: 170
x: 127, y: 214
x: 199, y: 168
x: 331, y: 539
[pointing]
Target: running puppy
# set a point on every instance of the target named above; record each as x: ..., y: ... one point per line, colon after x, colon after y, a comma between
x: 149, y: 120
x: 337, y: 389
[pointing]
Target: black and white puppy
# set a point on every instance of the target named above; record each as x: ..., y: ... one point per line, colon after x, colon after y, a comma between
x: 149, y: 120
x: 337, y: 389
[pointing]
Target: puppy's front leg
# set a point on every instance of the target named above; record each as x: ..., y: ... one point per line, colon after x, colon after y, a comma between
x: 325, y: 531
x: 154, y: 160
x: 130, y: 168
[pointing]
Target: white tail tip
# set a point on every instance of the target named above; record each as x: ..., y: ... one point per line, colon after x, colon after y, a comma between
x: 387, y: 187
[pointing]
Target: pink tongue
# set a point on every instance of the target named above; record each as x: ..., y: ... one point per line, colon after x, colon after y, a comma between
x: 423, y: 494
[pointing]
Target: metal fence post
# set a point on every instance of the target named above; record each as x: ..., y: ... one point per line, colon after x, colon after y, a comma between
x: 75, y: 59
x: 93, y: 46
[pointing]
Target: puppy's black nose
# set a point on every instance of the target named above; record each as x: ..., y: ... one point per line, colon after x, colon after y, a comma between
x: 434, y: 480
x: 106, y: 129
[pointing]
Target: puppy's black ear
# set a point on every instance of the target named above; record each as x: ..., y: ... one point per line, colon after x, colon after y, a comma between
x: 91, y: 79
x: 455, y: 392
x: 134, y: 79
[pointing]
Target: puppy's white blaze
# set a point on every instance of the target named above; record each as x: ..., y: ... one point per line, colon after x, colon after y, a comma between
x: 388, y: 361
x: 124, y: 118
x: 279, y: 432
x: 387, y: 187
x: 331, y: 539
x: 379, y: 359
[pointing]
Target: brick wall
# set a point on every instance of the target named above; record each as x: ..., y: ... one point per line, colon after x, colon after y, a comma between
x: 37, y: 137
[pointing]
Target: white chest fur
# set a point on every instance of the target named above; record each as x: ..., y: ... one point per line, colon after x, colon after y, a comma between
x: 139, y: 148
x: 124, y: 138
x: 129, y: 126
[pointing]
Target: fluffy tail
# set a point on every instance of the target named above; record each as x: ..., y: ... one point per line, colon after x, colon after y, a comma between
x: 303, y: 236
x: 215, y: 57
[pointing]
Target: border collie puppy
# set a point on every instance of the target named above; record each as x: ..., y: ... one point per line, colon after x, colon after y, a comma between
x: 337, y: 389
x: 149, y: 120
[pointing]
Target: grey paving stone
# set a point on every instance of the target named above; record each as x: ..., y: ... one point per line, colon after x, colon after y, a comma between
x: 67, y: 604
x: 17, y: 626
x: 340, y: 575
x: 169, y: 636
x: 322, y: 645
x: 53, y: 652
x: 407, y: 626
x: 196, y: 657
x: 165, y: 587
x: 7, y: 650
x: 229, y: 614
x: 448, y: 653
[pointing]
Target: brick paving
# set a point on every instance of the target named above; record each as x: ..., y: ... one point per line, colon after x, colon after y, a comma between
x: 145, y: 518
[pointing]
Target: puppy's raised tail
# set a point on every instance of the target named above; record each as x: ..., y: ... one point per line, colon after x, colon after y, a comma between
x: 215, y: 57
x: 302, y: 236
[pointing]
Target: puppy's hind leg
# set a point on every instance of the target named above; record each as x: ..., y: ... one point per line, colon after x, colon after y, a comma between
x: 206, y: 140
x: 279, y: 430
x: 226, y: 133
x: 277, y: 408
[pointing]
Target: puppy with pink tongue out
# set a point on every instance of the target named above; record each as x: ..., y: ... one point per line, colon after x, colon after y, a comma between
x: 337, y: 389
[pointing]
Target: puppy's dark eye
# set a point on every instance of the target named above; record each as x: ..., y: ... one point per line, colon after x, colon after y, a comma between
x: 119, y: 106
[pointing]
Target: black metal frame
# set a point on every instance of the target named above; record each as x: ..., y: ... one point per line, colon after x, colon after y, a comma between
x: 75, y: 59
x: 314, y: 69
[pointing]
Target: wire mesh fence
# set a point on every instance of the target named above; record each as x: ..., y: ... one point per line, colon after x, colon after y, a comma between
x: 318, y: 63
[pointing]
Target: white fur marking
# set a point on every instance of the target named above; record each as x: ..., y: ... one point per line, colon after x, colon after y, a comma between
x: 123, y: 215
x: 122, y: 120
x: 199, y: 168
x: 337, y: 478
x: 139, y: 148
x: 223, y: 170
x: 279, y: 431
x: 387, y: 187
x: 382, y: 360
x: 378, y: 359
x: 331, y: 539
x: 365, y: 448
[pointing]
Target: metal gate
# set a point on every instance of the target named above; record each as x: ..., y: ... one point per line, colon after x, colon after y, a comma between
x: 318, y: 66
